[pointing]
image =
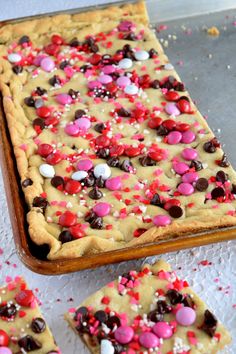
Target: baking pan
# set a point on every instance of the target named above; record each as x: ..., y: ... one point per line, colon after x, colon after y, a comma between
x: 34, y: 257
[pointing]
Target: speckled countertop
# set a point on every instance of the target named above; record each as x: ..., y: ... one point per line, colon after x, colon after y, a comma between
x: 207, y: 66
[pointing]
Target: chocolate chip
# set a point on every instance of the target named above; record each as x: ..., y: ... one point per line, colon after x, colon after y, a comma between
x: 233, y: 190
x: 162, y: 131
x: 113, y: 321
x: 209, y: 147
x: 217, y: 192
x: 188, y: 301
x: 38, y: 103
x: 96, y: 223
x: 29, y: 101
x: 126, y: 166
x: 84, y: 68
x: 65, y: 236
x: 118, y: 348
x: 17, y: 69
x: 24, y: 39
x: 40, y: 91
x: 106, y: 59
x: 147, y: 161
x: 196, y: 164
x: 130, y: 36
x: 113, y: 162
x: 175, y: 297
x: 95, y: 194
x: 29, y: 343
x: 38, y: 325
x: 90, y: 216
x: 27, y: 182
x: 74, y: 42
x: 163, y: 307
x: 103, y: 153
x: 8, y: 311
x: 224, y: 161
x: 99, y: 127
x: 152, y: 52
x: 156, y: 200
x: 175, y: 211
x: 39, y: 122
x: 155, y: 84
x: 73, y: 93
x: 55, y: 80
x: 100, y: 183
x: 57, y: 181
x: 79, y: 113
x: 83, y: 311
x: 155, y: 316
x: 94, y: 48
x: 88, y: 181
x: 64, y: 64
x: 201, y: 184
x: 40, y: 202
x: 210, y: 323
x: 122, y: 112
x: 101, y: 316
x: 222, y: 177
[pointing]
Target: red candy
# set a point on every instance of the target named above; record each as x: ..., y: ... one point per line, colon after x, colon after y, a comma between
x: 102, y: 141
x: 132, y: 151
x: 44, y: 150
x: 72, y: 186
x: 4, y: 339
x: 54, y: 158
x: 169, y: 124
x: 184, y: 106
x: 154, y: 123
x: 95, y: 59
x: 170, y: 203
x: 155, y: 155
x: 183, y: 127
x: 52, y: 49
x: 67, y: 219
x: 172, y: 96
x: 76, y: 231
x: 116, y: 150
x: 57, y: 39
x: 51, y: 121
x: 25, y: 298
x: 43, y: 112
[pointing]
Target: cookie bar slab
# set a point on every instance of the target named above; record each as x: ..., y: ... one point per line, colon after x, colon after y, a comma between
x: 150, y: 311
x: 111, y: 150
x: 22, y: 327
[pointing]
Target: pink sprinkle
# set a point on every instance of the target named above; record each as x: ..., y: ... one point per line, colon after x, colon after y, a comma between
x: 137, y: 187
x: 24, y: 147
x: 164, y: 275
x: 133, y: 301
x: 158, y: 172
x: 63, y: 204
x: 231, y: 213
x: 53, y: 202
x: 8, y: 279
x: 72, y: 310
x: 123, y: 319
x: 120, y: 288
x: 162, y: 28
x: 143, y: 68
x: 216, y: 206
x: 69, y: 72
x: 125, y: 176
x: 111, y: 285
x: 1, y: 251
x: 180, y: 63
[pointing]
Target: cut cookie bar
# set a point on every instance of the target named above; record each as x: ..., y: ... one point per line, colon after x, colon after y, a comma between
x: 110, y: 148
x: 22, y: 327
x: 150, y: 311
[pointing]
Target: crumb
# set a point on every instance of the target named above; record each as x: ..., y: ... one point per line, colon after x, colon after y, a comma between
x: 213, y: 31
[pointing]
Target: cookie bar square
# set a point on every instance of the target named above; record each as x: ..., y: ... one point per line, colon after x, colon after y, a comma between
x: 22, y: 326
x: 148, y: 311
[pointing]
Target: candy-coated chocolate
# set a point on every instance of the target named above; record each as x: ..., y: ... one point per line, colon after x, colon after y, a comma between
x: 172, y: 110
x: 63, y: 98
x: 141, y: 55
x: 107, y: 347
x: 72, y: 129
x: 47, y: 170
x: 102, y: 209
x: 102, y: 170
x: 47, y: 64
x: 125, y: 63
x: 79, y: 175
x: 123, y: 81
x: 149, y: 340
x: 174, y: 137
x: 124, y: 334
x: 83, y: 124
x: 131, y: 89
x: 4, y: 338
x: 189, y: 154
x: 190, y: 177
x: 5, y: 350
x: 114, y: 183
x: 67, y: 219
x: 162, y: 330
x: 180, y: 167
x: 186, y: 316
x: 162, y: 220
x: 188, y: 137
x: 105, y: 79
x: 84, y: 165
x: 14, y: 58
x: 108, y: 69
x: 185, y: 189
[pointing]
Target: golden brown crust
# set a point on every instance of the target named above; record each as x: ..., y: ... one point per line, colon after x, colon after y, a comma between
x: 18, y: 122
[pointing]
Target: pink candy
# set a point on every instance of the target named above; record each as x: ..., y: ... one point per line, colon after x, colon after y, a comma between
x: 63, y: 98
x: 5, y: 350
x: 186, y: 316
x: 185, y: 188
x: 190, y: 177
x: 171, y: 109
x: 123, y: 81
x: 125, y: 26
x: 83, y: 123
x: 72, y: 129
x: 180, y: 167
x: 84, y: 165
x: 162, y: 220
x: 108, y: 69
x: 94, y: 84
x: 124, y: 334
x: 174, y: 137
x: 105, y: 79
x: 189, y: 154
x: 148, y: 340
x: 38, y: 59
x: 188, y: 137
x: 162, y: 330
x: 47, y: 64
x: 114, y: 183
x: 102, y: 209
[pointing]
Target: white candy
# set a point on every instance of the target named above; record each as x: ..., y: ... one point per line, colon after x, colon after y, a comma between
x: 131, y: 89
x: 77, y: 176
x: 141, y: 55
x: 102, y: 170
x: 107, y: 347
x: 125, y: 63
x: 47, y: 170
x: 168, y: 66
x: 14, y: 58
